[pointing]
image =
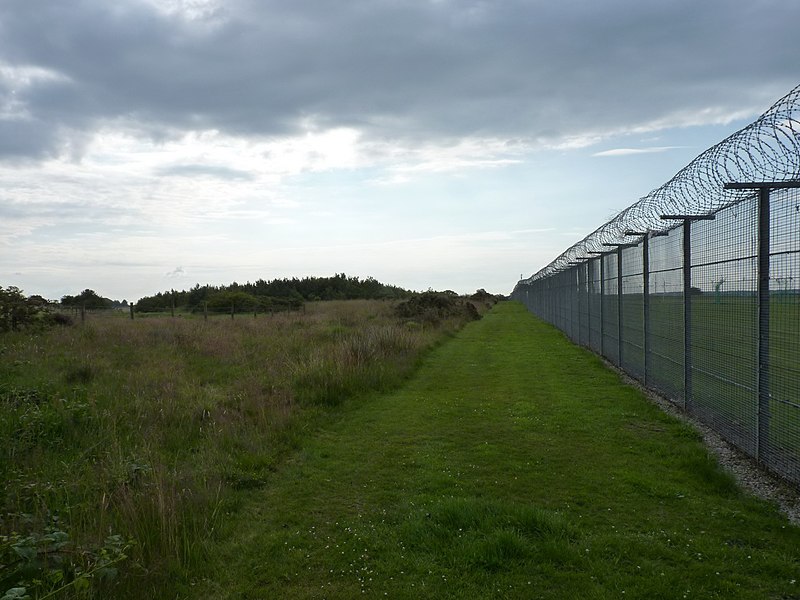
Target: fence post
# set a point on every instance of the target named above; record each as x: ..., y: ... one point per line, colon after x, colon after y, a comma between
x: 646, y: 304
x: 589, y: 300
x: 619, y: 305
x: 588, y: 341
x: 763, y: 413
x: 602, y: 304
x: 687, y: 314
x: 131, y: 307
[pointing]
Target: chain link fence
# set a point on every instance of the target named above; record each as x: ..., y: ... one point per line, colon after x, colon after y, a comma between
x: 695, y: 289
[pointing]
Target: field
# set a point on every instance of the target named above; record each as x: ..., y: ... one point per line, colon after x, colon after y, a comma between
x: 125, y: 443
x: 241, y: 462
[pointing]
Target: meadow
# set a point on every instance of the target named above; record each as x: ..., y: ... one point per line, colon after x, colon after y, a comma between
x: 126, y: 443
x: 344, y: 453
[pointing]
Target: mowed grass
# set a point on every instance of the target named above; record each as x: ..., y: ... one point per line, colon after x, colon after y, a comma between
x: 512, y: 465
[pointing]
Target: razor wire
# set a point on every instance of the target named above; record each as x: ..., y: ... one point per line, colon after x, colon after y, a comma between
x: 766, y: 150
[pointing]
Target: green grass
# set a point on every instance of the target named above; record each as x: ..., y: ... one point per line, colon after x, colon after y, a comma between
x: 153, y: 430
x: 724, y: 356
x: 512, y: 465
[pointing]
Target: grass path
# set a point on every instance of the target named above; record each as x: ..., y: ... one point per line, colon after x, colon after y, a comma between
x: 513, y: 465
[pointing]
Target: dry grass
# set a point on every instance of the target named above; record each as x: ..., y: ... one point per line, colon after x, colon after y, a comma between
x: 148, y: 428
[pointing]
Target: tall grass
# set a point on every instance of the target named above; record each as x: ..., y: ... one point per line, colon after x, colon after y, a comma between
x: 147, y: 430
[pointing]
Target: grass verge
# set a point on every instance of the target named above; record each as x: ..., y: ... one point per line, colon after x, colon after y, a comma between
x: 512, y: 465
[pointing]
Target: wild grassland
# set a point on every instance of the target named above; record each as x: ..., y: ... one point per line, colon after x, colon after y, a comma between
x: 126, y: 444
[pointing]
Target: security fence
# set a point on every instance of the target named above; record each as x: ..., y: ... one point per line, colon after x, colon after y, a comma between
x: 695, y: 289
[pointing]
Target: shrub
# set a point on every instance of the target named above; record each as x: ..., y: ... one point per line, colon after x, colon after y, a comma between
x: 16, y: 311
x: 434, y: 307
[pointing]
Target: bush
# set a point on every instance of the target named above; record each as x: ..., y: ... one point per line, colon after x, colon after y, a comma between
x: 433, y: 307
x: 16, y: 311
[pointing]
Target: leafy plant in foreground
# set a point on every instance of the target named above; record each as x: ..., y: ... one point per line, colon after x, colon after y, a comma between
x: 45, y: 564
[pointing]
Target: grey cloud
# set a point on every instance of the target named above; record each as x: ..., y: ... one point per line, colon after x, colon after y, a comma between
x: 215, y: 171
x: 177, y: 273
x: 26, y: 138
x: 399, y: 69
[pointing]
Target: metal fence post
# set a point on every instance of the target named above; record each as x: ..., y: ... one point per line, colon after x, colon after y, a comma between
x: 646, y: 304
x: 589, y: 301
x: 763, y: 414
x: 687, y: 314
x: 587, y: 279
x: 619, y: 305
x: 602, y: 305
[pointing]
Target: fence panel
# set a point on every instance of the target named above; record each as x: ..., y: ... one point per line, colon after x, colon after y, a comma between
x: 724, y: 323
x: 595, y: 306
x: 610, y: 309
x: 666, y: 315
x: 783, y: 445
x: 583, y: 305
x: 633, y: 312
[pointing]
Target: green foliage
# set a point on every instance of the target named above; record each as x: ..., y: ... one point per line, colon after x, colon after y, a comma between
x: 43, y: 565
x: 238, y: 301
x: 433, y: 307
x: 88, y: 299
x: 17, y: 311
x: 277, y: 294
x: 483, y: 296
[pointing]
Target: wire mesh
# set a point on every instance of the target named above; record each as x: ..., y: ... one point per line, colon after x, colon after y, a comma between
x: 783, y: 445
x: 666, y: 364
x: 595, y: 306
x: 632, y: 324
x: 610, y: 300
x: 724, y: 327
x: 583, y: 304
x: 721, y: 296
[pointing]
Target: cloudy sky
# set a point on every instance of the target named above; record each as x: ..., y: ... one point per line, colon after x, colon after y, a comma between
x: 454, y: 144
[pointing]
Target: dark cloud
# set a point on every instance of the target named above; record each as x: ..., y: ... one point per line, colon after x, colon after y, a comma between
x: 393, y: 68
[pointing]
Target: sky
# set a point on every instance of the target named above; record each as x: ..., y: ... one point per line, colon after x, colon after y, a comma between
x: 148, y: 145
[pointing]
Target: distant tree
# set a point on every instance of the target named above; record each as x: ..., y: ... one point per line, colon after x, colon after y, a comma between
x: 238, y: 301
x: 17, y: 311
x: 88, y: 299
x: 276, y: 294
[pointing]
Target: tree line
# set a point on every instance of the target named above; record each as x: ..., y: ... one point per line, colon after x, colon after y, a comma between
x: 18, y: 311
x: 277, y: 294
